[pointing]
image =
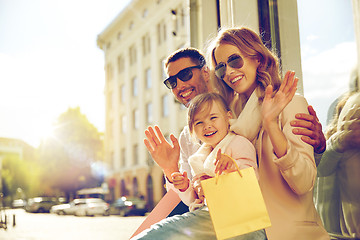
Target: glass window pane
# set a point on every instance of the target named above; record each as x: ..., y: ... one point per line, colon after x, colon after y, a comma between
x: 328, y: 51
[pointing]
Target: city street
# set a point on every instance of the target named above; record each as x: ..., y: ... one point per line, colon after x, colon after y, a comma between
x: 32, y: 226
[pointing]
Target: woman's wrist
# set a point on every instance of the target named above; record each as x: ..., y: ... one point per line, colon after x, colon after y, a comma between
x: 269, y: 124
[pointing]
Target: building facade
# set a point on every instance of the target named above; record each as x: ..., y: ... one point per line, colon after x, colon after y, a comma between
x: 135, y: 45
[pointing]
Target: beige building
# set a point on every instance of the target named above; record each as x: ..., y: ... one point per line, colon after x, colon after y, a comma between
x: 135, y: 45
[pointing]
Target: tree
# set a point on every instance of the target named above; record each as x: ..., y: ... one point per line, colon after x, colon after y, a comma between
x: 19, y: 175
x: 69, y: 154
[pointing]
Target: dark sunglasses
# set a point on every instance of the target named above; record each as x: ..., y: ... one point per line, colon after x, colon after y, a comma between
x: 234, y: 61
x: 184, y: 75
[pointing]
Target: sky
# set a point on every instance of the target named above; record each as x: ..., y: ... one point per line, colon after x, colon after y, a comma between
x: 328, y: 51
x: 49, y: 61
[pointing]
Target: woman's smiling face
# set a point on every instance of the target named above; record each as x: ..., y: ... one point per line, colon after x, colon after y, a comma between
x: 241, y: 80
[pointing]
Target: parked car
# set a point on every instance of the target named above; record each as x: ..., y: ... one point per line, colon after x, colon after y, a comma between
x: 67, y: 208
x: 93, y: 206
x: 18, y: 203
x: 40, y: 204
x: 126, y: 206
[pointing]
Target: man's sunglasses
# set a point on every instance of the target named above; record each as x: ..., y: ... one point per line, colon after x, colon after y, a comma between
x: 184, y: 75
x: 234, y: 61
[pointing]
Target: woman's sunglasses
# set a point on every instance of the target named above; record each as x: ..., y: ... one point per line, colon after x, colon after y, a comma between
x: 184, y: 75
x: 234, y: 61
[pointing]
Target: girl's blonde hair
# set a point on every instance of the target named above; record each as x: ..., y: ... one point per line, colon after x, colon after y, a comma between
x: 203, y: 102
x: 250, y: 45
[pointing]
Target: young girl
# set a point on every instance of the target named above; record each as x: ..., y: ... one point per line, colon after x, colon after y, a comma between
x: 208, y: 121
x: 247, y: 76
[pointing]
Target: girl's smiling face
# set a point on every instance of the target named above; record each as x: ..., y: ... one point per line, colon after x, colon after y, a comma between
x: 241, y: 80
x: 211, y: 126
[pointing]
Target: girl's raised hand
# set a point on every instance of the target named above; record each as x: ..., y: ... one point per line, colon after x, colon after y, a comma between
x: 274, y: 104
x: 223, y: 163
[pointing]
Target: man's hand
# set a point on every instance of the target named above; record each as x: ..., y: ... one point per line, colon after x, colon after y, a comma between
x: 310, y: 129
x: 165, y: 155
x: 180, y: 181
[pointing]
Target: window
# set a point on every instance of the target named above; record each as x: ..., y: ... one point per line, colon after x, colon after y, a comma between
x: 113, y: 99
x: 109, y: 100
x: 135, y: 154
x: 182, y: 17
x: 158, y: 27
x: 134, y: 87
x: 148, y: 78
x: 145, y: 13
x: 132, y: 54
x: 164, y: 32
x: 109, y: 74
x: 131, y: 25
x: 146, y: 44
x: 123, y: 157
x: 120, y: 63
x: 122, y: 93
x: 136, y: 119
x: 119, y: 35
x: 162, y: 69
x: 165, y: 105
x: 123, y: 124
x: 325, y: 79
x: 149, y: 113
x: 161, y: 32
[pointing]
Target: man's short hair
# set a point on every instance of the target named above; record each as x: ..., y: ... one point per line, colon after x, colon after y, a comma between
x: 189, y: 52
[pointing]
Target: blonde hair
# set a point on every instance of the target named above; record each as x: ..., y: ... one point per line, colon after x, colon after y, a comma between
x: 354, y: 88
x: 204, y: 102
x: 250, y: 45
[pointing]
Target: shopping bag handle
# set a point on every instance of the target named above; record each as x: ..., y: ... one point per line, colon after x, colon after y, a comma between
x: 237, y: 168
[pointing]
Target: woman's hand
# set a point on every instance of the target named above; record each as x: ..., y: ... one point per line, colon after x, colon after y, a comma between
x: 274, y: 104
x: 272, y: 107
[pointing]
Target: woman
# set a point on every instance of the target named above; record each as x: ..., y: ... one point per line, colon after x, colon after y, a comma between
x: 247, y: 76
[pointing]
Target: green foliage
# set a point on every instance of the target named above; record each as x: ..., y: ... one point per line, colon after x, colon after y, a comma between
x: 19, y: 174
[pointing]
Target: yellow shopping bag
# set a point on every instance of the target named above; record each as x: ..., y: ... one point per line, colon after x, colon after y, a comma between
x: 235, y: 203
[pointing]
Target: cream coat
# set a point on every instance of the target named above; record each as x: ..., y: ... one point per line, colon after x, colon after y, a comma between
x: 287, y: 182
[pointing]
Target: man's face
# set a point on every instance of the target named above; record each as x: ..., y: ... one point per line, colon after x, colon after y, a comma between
x: 185, y: 91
